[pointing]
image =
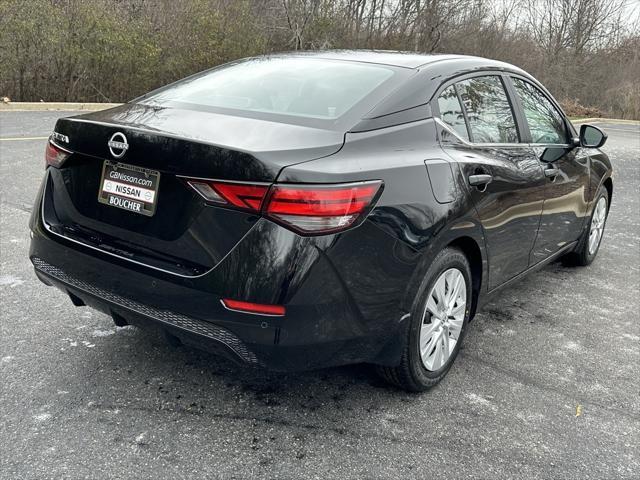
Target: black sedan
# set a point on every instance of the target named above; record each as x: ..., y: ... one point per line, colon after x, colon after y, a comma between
x: 304, y: 210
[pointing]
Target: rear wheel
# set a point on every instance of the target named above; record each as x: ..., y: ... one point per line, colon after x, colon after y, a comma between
x: 439, y: 318
x: 589, y: 243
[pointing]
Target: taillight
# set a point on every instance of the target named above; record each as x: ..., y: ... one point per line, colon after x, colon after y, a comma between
x: 256, y: 308
x: 309, y: 209
x: 240, y: 195
x: 316, y: 209
x: 54, y: 155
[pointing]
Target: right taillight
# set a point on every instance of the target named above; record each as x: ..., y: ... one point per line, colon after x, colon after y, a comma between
x: 319, y: 209
x: 54, y: 155
x: 308, y: 209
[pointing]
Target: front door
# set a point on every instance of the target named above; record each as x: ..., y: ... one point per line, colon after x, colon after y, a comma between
x: 565, y: 204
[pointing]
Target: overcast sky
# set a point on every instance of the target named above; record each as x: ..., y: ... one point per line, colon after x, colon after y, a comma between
x: 633, y: 13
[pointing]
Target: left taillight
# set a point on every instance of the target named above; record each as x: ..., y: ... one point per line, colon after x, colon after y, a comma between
x: 308, y: 209
x: 54, y: 155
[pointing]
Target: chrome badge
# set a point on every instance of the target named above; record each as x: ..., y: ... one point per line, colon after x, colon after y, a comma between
x: 60, y: 137
x: 118, y: 145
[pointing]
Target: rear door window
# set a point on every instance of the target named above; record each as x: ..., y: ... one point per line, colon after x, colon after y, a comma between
x: 546, y: 123
x: 451, y: 111
x: 488, y: 110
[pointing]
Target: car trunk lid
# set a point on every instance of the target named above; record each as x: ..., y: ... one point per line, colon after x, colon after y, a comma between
x: 183, y: 235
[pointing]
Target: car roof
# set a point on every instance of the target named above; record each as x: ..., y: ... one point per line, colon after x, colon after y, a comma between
x: 394, y: 58
x: 409, y: 102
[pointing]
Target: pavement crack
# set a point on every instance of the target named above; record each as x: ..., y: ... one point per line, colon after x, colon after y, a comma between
x: 528, y: 381
x: 18, y: 206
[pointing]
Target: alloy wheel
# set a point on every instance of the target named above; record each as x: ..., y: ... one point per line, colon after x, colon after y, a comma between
x: 442, y: 319
x: 597, y: 225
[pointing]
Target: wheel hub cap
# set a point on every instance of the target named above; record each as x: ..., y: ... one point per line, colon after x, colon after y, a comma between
x: 442, y: 319
x: 597, y: 225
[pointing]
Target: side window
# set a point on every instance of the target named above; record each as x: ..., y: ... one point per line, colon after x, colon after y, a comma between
x: 488, y: 110
x: 546, y: 124
x: 451, y: 111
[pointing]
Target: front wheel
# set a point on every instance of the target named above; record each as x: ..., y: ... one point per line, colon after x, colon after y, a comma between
x: 439, y: 318
x: 589, y: 243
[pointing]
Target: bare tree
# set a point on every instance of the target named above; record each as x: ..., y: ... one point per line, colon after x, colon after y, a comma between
x: 574, y: 25
x: 299, y: 13
x: 97, y: 50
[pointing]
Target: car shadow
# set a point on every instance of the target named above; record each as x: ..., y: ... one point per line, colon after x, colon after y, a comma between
x: 183, y: 380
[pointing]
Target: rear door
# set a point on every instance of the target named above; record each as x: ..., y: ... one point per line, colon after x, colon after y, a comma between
x: 567, y: 190
x: 505, y: 181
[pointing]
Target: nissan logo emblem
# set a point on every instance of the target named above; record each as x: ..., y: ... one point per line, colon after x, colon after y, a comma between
x: 118, y: 145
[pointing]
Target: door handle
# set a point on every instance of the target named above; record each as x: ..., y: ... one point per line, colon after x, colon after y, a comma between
x: 551, y: 172
x: 479, y: 180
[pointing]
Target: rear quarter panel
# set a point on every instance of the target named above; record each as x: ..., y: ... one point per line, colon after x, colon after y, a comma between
x: 383, y: 261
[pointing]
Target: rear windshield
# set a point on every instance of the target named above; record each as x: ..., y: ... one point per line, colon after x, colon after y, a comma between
x: 300, y: 87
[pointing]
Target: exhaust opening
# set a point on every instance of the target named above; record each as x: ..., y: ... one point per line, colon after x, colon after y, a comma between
x: 77, y: 301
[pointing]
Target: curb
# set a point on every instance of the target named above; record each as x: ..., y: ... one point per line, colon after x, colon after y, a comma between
x: 605, y: 120
x: 64, y: 106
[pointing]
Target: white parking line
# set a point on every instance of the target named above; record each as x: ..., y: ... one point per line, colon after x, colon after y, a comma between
x: 14, y: 139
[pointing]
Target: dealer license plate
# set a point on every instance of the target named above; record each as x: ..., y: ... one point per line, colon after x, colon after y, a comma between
x: 129, y: 187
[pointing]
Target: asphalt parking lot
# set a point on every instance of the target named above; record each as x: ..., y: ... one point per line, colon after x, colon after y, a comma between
x: 547, y: 385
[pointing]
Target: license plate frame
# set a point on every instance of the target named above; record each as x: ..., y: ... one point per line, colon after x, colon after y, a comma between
x: 129, y: 187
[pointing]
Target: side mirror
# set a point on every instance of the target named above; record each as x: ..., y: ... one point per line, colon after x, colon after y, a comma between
x: 592, y: 137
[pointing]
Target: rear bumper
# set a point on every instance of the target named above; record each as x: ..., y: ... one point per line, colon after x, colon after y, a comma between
x: 325, y: 325
x: 254, y: 345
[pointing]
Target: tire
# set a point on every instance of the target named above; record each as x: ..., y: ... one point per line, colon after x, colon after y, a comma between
x: 412, y: 373
x: 586, y: 251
